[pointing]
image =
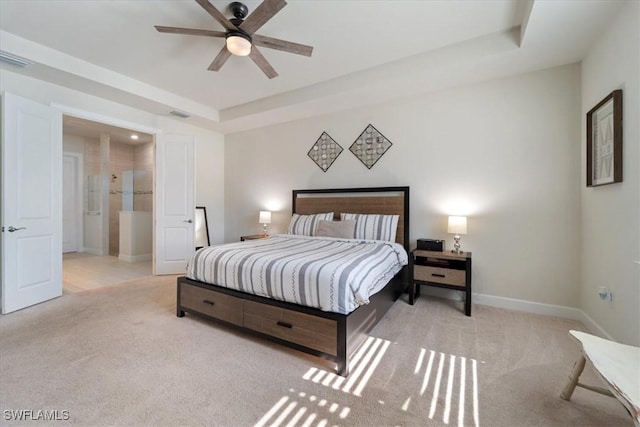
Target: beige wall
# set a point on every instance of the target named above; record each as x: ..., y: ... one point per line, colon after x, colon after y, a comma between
x: 611, y: 214
x: 504, y: 152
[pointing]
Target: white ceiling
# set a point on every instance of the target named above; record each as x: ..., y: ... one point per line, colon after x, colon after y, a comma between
x: 364, y: 51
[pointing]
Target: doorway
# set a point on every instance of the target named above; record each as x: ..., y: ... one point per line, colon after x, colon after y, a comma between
x: 31, y: 247
x: 108, y: 177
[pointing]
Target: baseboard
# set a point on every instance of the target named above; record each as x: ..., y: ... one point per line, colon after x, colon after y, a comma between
x: 528, y: 306
x: 593, y: 327
x: 544, y: 309
x: 134, y: 258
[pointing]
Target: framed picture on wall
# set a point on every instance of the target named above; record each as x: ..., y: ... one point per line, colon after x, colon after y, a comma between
x: 604, y: 141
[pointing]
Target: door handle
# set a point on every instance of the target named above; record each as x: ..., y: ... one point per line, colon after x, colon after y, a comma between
x: 11, y: 228
x: 188, y: 220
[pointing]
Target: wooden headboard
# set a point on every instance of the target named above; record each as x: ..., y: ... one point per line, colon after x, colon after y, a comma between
x: 371, y: 200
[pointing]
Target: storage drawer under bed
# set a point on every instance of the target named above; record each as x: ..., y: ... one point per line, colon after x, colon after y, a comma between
x: 299, y: 328
x: 211, y: 303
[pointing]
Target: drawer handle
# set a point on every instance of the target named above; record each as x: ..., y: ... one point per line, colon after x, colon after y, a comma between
x: 206, y: 301
x: 437, y: 275
x: 284, y: 324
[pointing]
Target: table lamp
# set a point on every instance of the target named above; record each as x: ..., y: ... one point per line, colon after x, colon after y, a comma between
x: 457, y: 225
x: 265, y: 218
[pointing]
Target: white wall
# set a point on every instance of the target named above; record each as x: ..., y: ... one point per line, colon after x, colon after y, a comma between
x: 611, y: 213
x: 505, y: 152
x: 209, y: 144
x: 210, y: 184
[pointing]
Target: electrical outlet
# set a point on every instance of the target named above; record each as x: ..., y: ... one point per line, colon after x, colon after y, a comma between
x: 603, y: 293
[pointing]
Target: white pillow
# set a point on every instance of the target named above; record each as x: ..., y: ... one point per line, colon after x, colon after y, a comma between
x: 374, y: 227
x: 339, y: 229
x: 305, y: 225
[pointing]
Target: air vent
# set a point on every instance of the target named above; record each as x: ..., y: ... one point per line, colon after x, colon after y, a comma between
x: 13, y: 60
x: 180, y: 114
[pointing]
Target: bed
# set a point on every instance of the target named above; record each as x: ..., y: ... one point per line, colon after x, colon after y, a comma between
x: 316, y: 330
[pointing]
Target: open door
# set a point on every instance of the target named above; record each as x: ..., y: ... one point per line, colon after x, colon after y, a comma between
x: 174, y: 203
x: 31, y: 213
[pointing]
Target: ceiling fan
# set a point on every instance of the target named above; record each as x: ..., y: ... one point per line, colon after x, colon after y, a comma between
x: 240, y: 36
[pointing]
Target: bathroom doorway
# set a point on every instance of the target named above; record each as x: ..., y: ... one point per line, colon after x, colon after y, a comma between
x: 108, y: 176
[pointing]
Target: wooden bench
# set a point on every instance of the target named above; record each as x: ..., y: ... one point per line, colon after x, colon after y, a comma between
x: 617, y: 364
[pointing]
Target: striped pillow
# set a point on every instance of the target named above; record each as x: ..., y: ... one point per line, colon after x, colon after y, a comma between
x: 305, y: 225
x: 374, y: 227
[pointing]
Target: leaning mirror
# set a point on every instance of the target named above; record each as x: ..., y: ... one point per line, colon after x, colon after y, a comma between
x: 202, y: 230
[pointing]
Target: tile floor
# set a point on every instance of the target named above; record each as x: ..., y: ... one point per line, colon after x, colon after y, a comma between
x: 83, y: 271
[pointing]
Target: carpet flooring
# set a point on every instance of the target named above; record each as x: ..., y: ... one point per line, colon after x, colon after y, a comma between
x: 120, y: 356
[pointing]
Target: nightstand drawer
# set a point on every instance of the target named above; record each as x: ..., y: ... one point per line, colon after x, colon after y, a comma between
x: 440, y: 275
x: 211, y: 303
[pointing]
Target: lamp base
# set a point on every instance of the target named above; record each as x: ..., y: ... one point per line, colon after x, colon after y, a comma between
x: 456, y: 245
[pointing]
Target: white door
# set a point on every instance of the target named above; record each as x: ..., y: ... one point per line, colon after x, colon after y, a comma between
x: 174, y: 203
x: 70, y: 218
x: 31, y: 203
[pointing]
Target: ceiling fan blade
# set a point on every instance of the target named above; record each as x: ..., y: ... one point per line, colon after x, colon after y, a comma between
x: 211, y: 9
x: 190, y: 31
x: 220, y: 59
x: 291, y: 47
x: 262, y: 62
x: 265, y: 11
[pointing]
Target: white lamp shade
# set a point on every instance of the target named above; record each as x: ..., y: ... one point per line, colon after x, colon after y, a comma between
x: 265, y: 217
x: 457, y: 225
x: 238, y: 46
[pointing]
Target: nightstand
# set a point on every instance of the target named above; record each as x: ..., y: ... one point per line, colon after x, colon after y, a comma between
x: 441, y: 269
x: 253, y: 237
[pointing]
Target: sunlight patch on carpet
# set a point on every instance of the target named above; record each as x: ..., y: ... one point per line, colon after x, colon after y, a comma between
x: 448, y: 387
x: 302, y: 409
x: 362, y: 366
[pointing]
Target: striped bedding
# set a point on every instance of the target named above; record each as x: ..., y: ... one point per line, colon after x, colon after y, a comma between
x: 331, y: 274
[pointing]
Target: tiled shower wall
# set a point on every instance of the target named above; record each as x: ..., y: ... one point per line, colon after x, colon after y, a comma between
x: 91, y: 157
x: 143, y: 177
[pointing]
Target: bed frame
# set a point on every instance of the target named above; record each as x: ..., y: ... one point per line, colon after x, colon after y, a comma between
x: 329, y: 335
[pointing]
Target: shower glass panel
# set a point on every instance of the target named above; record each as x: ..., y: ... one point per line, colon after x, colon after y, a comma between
x: 142, y: 185
x: 127, y: 190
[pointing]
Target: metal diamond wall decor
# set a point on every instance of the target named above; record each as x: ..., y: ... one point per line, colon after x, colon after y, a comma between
x: 325, y: 151
x: 370, y: 146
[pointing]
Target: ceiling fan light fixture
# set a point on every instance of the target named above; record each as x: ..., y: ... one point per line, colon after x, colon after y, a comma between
x: 240, y: 32
x: 238, y: 43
